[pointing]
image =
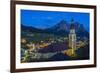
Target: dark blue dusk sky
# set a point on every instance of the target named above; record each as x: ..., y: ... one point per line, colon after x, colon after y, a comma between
x: 46, y: 19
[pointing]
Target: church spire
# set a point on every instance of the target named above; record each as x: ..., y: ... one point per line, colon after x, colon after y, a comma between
x: 72, y: 25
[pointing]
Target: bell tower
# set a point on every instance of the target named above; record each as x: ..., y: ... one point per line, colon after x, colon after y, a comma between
x: 72, y: 37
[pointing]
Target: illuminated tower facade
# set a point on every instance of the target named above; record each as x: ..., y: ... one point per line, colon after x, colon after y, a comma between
x: 72, y: 38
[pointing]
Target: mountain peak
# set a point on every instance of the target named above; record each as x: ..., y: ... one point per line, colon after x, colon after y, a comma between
x: 61, y: 26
